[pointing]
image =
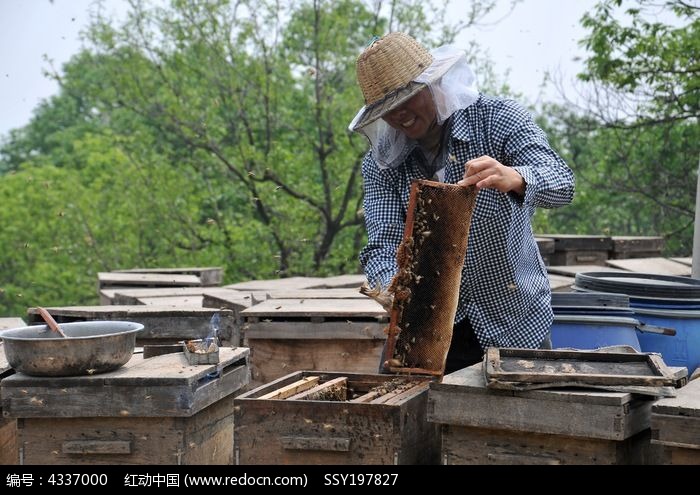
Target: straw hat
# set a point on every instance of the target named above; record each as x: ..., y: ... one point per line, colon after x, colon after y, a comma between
x: 386, y: 73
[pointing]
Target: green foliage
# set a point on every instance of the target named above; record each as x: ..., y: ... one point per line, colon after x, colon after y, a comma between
x: 201, y: 133
x: 657, y: 65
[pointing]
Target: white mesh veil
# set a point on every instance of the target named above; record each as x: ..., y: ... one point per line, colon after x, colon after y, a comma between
x: 452, y: 85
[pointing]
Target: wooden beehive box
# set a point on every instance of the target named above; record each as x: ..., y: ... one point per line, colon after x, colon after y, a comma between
x: 8, y: 426
x: 572, y: 249
x: 162, y: 324
x: 151, y: 411
x: 546, y: 248
x: 485, y: 426
x: 336, y: 418
x: 624, y: 247
x: 675, y: 426
x: 287, y: 335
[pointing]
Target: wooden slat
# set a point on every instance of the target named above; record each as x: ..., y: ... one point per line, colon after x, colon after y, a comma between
x: 341, y: 281
x: 307, y: 330
x: 686, y: 403
x: 107, y: 279
x: 659, y: 266
x: 306, y: 308
x: 174, y: 301
x: 292, y: 389
x: 685, y: 261
x: 398, y: 391
x: 303, y: 294
x: 559, y: 282
x: 7, y: 323
x: 575, y: 242
x: 131, y: 295
x: 209, y: 276
x: 277, y: 284
x: 337, y: 388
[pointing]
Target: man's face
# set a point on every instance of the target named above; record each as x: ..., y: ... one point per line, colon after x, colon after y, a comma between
x: 415, y: 116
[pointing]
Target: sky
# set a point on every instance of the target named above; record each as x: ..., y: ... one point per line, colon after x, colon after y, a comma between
x: 527, y: 44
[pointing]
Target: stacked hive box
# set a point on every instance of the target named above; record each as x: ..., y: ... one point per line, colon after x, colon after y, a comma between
x: 152, y: 411
x: 485, y: 426
x: 336, y: 418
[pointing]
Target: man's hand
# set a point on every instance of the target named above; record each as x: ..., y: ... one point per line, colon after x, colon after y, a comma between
x: 383, y: 297
x: 485, y: 172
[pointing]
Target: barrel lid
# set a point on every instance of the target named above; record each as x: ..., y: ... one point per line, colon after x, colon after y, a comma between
x: 648, y: 285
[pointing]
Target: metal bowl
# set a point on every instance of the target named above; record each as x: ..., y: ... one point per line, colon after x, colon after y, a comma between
x: 91, y: 347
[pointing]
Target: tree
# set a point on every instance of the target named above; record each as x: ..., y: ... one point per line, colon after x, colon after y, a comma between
x: 635, y: 143
x: 207, y: 133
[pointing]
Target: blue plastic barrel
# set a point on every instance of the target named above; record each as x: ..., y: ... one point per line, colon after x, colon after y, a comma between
x: 681, y: 350
x: 593, y: 331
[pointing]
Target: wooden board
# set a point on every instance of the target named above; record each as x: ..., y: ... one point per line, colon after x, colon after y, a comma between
x: 114, y: 279
x: 172, y: 301
x: 7, y: 323
x: 578, y: 257
x: 208, y: 276
x: 277, y: 284
x: 463, y: 399
x: 633, y: 246
x: 269, y: 431
x: 316, y: 294
x: 556, y: 367
x: 341, y: 281
x: 685, y: 261
x: 574, y: 242
x: 284, y: 309
x: 275, y: 358
x: 545, y: 245
x: 161, y: 386
x: 559, y: 283
x: 481, y: 446
x: 675, y: 426
x: 659, y: 266
x: 162, y: 324
x: 131, y: 295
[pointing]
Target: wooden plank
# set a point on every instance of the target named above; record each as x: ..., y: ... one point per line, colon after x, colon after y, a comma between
x: 161, y: 323
x: 272, y: 359
x: 482, y: 446
x: 209, y: 276
x: 293, y: 388
x: 174, y: 301
x: 685, y: 261
x: 685, y: 404
x: 303, y: 294
x: 545, y: 245
x: 306, y: 308
x: 341, y: 281
x: 407, y: 394
x: 578, y: 257
x: 572, y: 270
x: 131, y: 295
x: 659, y: 266
x: 676, y: 431
x: 575, y: 242
x: 113, y: 279
x: 335, y: 389
x: 626, y: 245
x: 332, y: 444
x: 277, y: 284
x: 305, y: 330
x: 393, y: 394
x: 559, y: 282
x: 7, y: 323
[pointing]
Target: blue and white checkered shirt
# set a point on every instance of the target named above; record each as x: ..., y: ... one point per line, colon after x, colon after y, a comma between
x: 504, y: 290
